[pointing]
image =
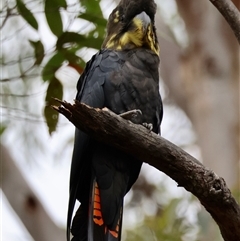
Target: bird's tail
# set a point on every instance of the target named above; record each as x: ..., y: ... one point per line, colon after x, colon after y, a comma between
x: 88, y: 223
x: 97, y: 230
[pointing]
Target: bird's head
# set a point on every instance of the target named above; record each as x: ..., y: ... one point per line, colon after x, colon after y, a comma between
x: 131, y: 25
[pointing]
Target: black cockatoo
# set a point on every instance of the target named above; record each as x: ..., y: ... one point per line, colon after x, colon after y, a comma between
x: 122, y: 76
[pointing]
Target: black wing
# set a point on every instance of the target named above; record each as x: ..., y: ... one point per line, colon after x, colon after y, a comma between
x: 121, y: 81
x: 90, y: 92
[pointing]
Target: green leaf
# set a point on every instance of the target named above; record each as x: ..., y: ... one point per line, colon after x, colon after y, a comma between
x: 60, y: 3
x: 97, y: 20
x: 39, y: 51
x: 74, y: 61
x: 27, y: 14
x: 92, y: 7
x: 93, y: 18
x: 55, y: 89
x: 2, y: 128
x: 52, y: 66
x: 72, y: 57
x: 53, y: 15
x: 81, y: 40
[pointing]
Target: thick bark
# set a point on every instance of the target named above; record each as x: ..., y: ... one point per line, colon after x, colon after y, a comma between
x: 25, y: 203
x: 189, y: 173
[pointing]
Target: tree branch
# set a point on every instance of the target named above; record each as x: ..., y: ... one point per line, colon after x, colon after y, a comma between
x: 230, y: 13
x: 211, y: 190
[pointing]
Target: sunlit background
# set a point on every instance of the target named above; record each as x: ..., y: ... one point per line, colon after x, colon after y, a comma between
x: 155, y: 209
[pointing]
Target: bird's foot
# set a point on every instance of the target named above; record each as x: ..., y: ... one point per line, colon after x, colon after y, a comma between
x: 134, y: 116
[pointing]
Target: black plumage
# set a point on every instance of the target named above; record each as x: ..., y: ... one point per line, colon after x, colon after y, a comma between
x: 121, y: 80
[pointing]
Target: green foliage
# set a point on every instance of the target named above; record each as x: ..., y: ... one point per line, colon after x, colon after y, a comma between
x: 80, y: 40
x: 53, y: 15
x: 52, y: 66
x: 67, y: 45
x: 97, y: 20
x: 2, y: 129
x: 47, y: 60
x: 27, y: 14
x: 94, y: 15
x: 167, y: 225
x: 55, y: 89
x: 38, y: 51
x: 73, y: 59
x: 92, y: 7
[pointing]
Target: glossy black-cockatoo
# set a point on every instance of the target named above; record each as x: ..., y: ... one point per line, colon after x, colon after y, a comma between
x: 122, y: 76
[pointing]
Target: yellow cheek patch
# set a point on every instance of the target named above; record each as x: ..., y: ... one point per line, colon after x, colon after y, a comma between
x: 116, y: 19
x: 110, y: 43
x: 150, y: 39
x: 133, y: 37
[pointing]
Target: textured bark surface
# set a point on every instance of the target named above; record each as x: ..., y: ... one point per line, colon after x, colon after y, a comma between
x: 25, y: 203
x: 188, y: 172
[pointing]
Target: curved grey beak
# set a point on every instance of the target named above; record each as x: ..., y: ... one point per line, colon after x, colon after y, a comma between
x: 144, y: 18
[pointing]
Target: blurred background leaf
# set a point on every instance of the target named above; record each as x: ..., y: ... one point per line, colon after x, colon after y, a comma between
x: 53, y: 15
x: 38, y: 51
x: 55, y: 89
x: 27, y: 14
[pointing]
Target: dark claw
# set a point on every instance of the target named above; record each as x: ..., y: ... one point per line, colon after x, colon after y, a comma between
x: 149, y: 126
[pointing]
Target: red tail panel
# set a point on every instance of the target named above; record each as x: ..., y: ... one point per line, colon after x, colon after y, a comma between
x: 97, y: 230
